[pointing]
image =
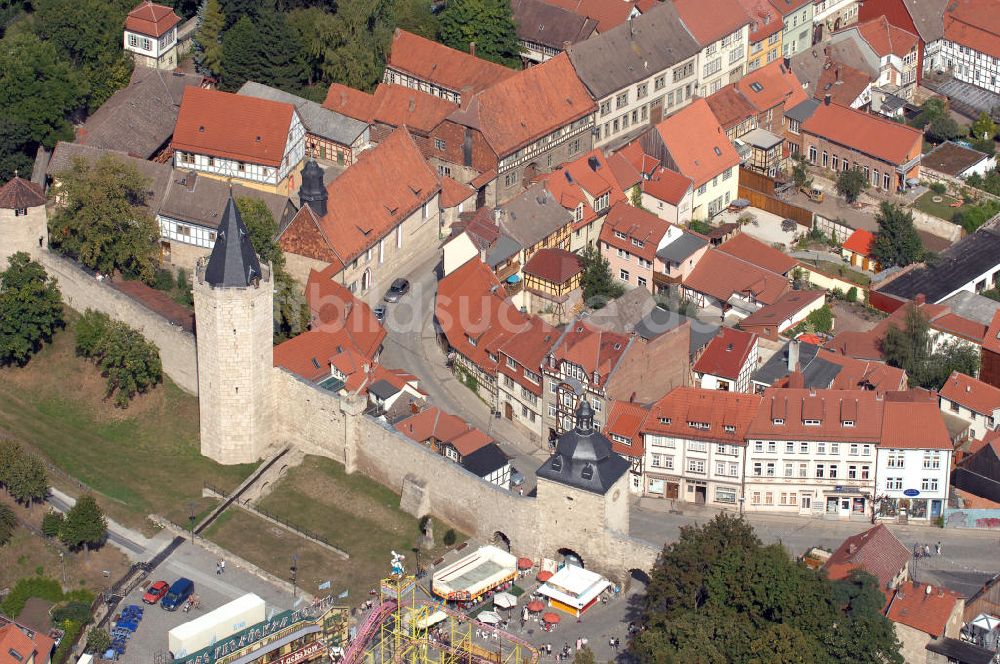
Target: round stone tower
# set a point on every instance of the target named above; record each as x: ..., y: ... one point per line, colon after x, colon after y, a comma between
x: 23, y: 221
x: 233, y: 304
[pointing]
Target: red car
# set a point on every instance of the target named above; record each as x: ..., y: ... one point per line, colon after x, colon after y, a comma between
x: 156, y: 592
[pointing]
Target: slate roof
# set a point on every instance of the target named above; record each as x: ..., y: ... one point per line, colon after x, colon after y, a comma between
x: 486, y: 460
x: 660, y: 321
x: 441, y: 65
x: 956, y: 650
x: 584, y: 458
x: 956, y: 266
x: 801, y: 112
x: 139, y: 119
x: 315, y: 118
x: 633, y: 51
x: 233, y: 262
x: 233, y: 126
x: 681, y: 248
x: 546, y: 24
x: 200, y: 200
x: 20, y: 193
x: 927, y: 17
x: 532, y: 216
x: 816, y: 371
x: 876, y: 551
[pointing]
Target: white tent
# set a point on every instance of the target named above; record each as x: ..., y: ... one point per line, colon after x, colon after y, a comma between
x: 504, y: 600
x: 489, y: 617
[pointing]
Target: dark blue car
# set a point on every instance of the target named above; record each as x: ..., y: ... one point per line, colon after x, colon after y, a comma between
x: 178, y: 594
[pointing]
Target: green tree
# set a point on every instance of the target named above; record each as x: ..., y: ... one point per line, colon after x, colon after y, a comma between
x: 52, y: 523
x: 955, y: 356
x: 102, y: 219
x: 599, y: 286
x: 98, y: 640
x: 896, y: 241
x: 415, y: 16
x: 241, y: 61
x: 8, y: 522
x: 983, y: 129
x: 284, y: 67
x: 208, y: 40
x: 130, y: 363
x: 851, y: 183
x: 800, y: 171
x: 91, y: 330
x: 908, y: 347
x: 10, y: 453
x: 291, y: 310
x: 85, y: 524
x: 38, y: 90
x: 487, y: 23
x: 821, y: 320
x: 263, y: 230
x: 30, y: 309
x: 584, y: 656
x: 943, y: 128
x: 28, y: 482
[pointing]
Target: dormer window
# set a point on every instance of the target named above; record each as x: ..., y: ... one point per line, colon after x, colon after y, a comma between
x: 588, y: 472
x: 848, y: 423
x: 664, y: 420
x: 729, y: 428
x: 578, y: 213
x: 620, y: 235
x: 812, y: 423
x: 638, y: 243
x: 472, y: 342
x: 698, y: 425
x: 778, y: 420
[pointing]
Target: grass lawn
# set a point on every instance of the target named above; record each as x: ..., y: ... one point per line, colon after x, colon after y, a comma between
x: 925, y: 203
x: 140, y: 460
x: 354, y: 513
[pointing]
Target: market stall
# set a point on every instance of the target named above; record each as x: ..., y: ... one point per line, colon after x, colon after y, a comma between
x: 476, y: 575
x: 574, y: 589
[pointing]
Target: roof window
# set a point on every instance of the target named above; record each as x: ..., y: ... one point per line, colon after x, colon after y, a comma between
x: 756, y: 87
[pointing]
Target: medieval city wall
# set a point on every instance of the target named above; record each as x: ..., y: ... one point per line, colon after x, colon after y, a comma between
x: 82, y: 291
x: 308, y: 417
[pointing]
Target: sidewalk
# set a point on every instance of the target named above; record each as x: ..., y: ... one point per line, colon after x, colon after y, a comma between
x: 134, y: 544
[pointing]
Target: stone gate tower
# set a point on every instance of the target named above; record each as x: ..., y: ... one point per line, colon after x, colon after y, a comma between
x: 23, y: 221
x: 233, y: 303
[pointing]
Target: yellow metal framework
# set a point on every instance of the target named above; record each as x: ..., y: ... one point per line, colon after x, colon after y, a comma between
x: 408, y: 637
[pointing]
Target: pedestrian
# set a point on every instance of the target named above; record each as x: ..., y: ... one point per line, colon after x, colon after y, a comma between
x: 618, y: 644
x: 223, y: 565
x: 579, y: 643
x: 611, y: 643
x: 520, y: 491
x: 218, y: 568
x: 927, y: 550
x: 937, y: 548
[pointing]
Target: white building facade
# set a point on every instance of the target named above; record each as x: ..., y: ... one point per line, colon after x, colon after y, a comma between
x: 912, y: 482
x: 723, y: 61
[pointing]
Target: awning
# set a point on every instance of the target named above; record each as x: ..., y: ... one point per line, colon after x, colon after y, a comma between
x: 513, y: 279
x: 551, y: 618
x: 525, y: 563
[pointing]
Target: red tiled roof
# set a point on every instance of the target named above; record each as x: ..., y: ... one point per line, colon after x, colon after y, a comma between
x: 730, y: 107
x: 697, y: 143
x: 527, y: 106
x: 529, y: 348
x: 554, y: 265
x: 916, y: 425
x: 232, y: 126
x: 636, y: 224
x: 443, y: 66
x: 971, y: 393
x: 991, y: 340
x: 607, y: 14
x: 150, y: 19
x: 764, y: 19
x: 890, y: 141
x: 454, y: 192
x: 757, y: 253
x: 830, y: 407
x: 876, y: 551
x: 725, y: 18
x: 636, y: 156
x: 860, y: 242
x: 777, y: 83
x: 15, y: 639
x: 624, y: 171
x: 369, y: 199
x: 393, y: 105
x: 445, y: 428
x: 667, y: 185
x: 472, y: 303
x: 928, y: 612
x: 593, y: 349
x: 720, y: 274
x: 786, y: 306
x: 335, y: 309
x: 19, y: 194
x: 728, y: 414
x: 787, y: 7
x: 974, y: 24
x: 625, y: 419
x: 726, y: 353
x: 857, y: 373
x: 886, y: 38
x: 589, y: 175
x: 843, y: 83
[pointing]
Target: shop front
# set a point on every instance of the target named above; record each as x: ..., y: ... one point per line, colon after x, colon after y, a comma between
x: 663, y: 486
x: 910, y: 507
x: 845, y: 502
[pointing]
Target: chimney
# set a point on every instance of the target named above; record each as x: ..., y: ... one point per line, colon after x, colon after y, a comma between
x: 826, y: 99
x: 472, y: 49
x: 929, y: 590
x: 793, y: 354
x: 796, y: 381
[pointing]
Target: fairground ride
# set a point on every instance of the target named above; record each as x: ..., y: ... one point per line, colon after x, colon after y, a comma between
x: 405, y: 628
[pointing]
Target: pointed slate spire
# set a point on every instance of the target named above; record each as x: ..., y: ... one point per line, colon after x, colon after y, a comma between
x: 233, y: 263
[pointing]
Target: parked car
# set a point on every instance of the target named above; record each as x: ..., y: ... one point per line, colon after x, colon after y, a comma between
x: 156, y: 592
x: 397, y: 290
x: 379, y: 312
x: 178, y: 594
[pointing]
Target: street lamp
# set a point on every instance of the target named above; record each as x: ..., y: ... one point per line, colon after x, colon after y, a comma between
x: 192, y: 515
x: 295, y: 570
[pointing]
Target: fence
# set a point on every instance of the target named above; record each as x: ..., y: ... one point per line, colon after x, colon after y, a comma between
x: 759, y: 190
